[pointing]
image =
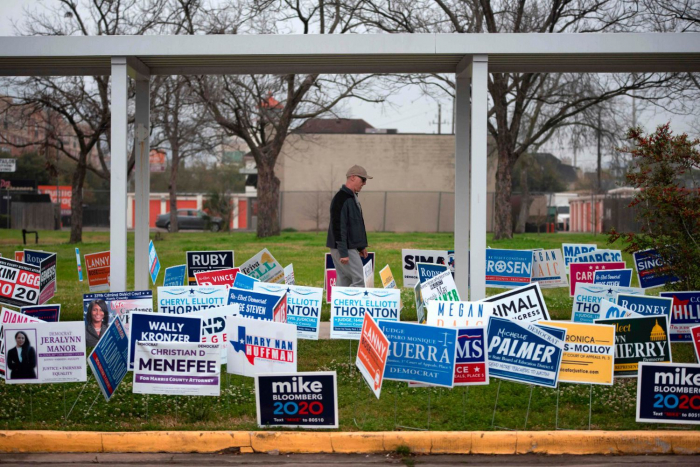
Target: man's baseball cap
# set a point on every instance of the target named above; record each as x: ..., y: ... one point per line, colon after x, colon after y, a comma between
x: 357, y: 170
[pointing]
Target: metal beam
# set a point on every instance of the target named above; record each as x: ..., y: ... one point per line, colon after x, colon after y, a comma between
x: 479, y: 177
x: 462, y: 163
x: 142, y: 178
x: 117, y: 189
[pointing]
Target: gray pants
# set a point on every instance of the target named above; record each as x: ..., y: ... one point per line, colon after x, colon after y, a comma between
x: 351, y: 274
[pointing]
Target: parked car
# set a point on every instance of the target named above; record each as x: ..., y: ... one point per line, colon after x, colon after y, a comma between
x: 192, y: 219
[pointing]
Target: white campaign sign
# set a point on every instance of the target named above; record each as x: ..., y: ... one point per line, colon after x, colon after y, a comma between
x: 548, y: 269
x: 525, y: 304
x: 214, y: 326
x: 458, y: 314
x: 8, y: 316
x: 441, y: 287
x: 303, y: 306
x: 178, y: 369
x: 349, y: 305
x: 181, y: 300
x: 412, y: 257
x: 264, y: 267
x: 260, y: 347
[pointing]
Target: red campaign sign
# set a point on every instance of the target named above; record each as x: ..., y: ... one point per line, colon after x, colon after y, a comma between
x: 372, y: 352
x: 97, y: 268
x: 279, y: 315
x: 584, y: 272
x: 19, y: 256
x: 695, y: 334
x: 217, y: 277
x: 331, y: 278
x: 20, y: 283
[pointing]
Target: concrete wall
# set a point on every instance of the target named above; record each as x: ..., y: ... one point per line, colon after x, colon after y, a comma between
x: 412, y: 189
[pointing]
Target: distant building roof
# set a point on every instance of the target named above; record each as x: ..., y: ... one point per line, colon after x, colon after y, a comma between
x: 335, y: 125
x: 566, y: 172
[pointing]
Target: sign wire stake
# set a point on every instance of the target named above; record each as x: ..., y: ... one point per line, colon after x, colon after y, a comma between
x: 64, y: 402
x: 590, y: 407
x: 529, y: 402
x: 31, y: 403
x: 93, y: 403
x: 80, y: 394
x: 464, y: 405
x: 556, y: 413
x: 429, y: 410
x: 495, y: 405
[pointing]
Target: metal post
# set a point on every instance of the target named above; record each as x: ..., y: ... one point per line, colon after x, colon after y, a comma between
x: 142, y: 183
x: 462, y: 194
x: 117, y: 195
x: 437, y: 229
x: 384, y: 218
x: 479, y: 176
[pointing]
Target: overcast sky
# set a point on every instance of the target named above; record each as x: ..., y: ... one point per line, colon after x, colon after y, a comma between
x: 409, y: 112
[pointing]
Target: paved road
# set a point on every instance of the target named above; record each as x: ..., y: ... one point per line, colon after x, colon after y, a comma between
x: 307, y: 460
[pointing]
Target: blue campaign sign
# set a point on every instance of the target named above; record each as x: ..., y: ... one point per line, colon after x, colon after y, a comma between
x: 256, y: 305
x: 175, y: 276
x: 420, y: 353
x: 303, y: 306
x: 35, y: 257
x: 598, y: 256
x: 508, y: 268
x: 616, y: 277
x: 109, y: 361
x: 646, y: 305
x: 427, y: 271
x: 668, y: 393
x: 162, y: 327
x: 685, y: 314
x: 525, y: 353
x: 241, y: 281
x: 153, y: 262
x: 651, y: 269
x: 571, y: 250
x: 48, y: 313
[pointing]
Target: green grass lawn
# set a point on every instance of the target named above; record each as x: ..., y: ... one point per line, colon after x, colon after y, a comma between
x: 46, y: 406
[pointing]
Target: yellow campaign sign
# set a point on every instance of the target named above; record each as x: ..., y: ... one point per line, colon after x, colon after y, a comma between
x: 387, y: 277
x: 589, y: 353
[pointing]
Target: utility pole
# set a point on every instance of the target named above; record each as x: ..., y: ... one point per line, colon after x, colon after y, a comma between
x: 598, y: 134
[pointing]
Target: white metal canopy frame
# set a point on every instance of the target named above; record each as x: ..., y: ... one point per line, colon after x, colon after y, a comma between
x: 469, y: 56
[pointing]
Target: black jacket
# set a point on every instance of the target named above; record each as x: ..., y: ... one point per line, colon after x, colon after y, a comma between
x: 23, y: 369
x: 346, y: 229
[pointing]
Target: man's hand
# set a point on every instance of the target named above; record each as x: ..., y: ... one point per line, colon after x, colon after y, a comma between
x: 363, y: 252
x: 345, y: 260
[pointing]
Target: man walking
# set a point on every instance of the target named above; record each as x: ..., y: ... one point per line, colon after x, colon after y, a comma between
x: 347, y: 238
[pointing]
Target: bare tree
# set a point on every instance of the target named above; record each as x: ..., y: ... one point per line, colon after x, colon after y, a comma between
x: 526, y: 109
x: 81, y: 102
x: 263, y: 109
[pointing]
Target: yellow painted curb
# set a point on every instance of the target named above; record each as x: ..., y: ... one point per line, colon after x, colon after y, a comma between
x: 427, y: 442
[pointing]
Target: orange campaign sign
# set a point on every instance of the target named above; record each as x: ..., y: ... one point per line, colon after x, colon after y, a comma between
x: 65, y: 194
x: 97, y: 267
x: 371, y: 354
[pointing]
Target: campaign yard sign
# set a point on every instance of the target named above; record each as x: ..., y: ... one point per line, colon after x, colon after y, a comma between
x: 303, y: 306
x: 97, y: 270
x: 225, y: 277
x: 458, y: 314
x: 583, y: 272
x: 264, y: 306
x: 420, y: 306
x: 297, y: 400
x: 35, y: 257
x: 214, y: 326
x: 181, y: 300
x: 589, y: 353
x: 368, y: 273
x: 548, y: 269
x: 159, y: 327
x: 109, y: 361
x: 349, y: 305
x: 372, y: 354
x: 387, y: 278
x: 19, y: 256
x: 47, y: 313
x: 695, y: 336
x: 264, y: 267
x: 289, y: 274
x: 646, y: 305
x: 571, y: 250
x: 610, y: 310
x: 639, y: 339
x: 121, y: 304
x: 525, y: 352
x: 412, y: 257
x: 177, y: 369
x: 241, y: 281
x: 441, y: 287
x: 329, y: 281
x: 153, y: 262
x: 256, y: 346
x: 599, y: 256
x: 685, y: 313
x: 23, y: 284
x: 8, y: 316
x: 471, y: 360
x: 175, y: 276
x: 56, y: 353
x: 420, y: 353
x: 80, y: 267
x: 508, y: 268
x: 201, y: 261
x: 616, y: 277
x: 427, y: 271
x: 651, y: 269
x: 668, y: 393
x: 587, y: 299
x: 525, y: 304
